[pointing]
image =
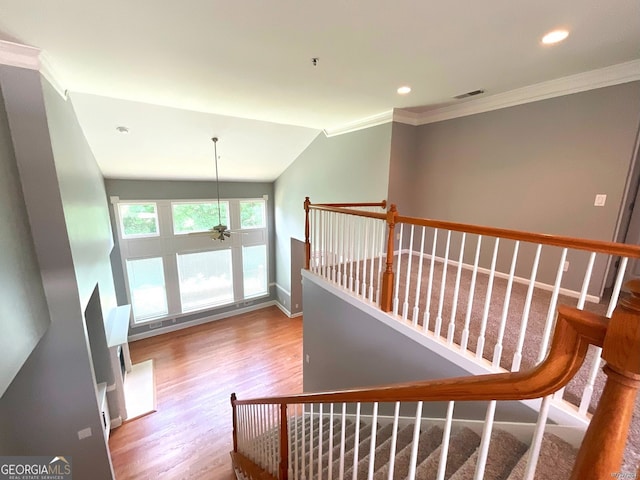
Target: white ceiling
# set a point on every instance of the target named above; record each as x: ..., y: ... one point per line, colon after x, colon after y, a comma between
x: 252, y: 59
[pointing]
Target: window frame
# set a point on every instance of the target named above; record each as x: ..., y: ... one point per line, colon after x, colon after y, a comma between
x: 120, y: 223
x: 168, y: 244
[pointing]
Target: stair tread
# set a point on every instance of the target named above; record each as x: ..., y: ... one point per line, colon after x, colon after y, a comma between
x: 461, y: 445
x: 382, y: 434
x: 504, y: 452
x: 558, y: 455
x: 428, y: 441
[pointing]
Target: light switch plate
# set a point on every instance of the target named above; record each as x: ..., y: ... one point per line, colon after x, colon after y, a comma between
x: 601, y: 199
x: 84, y: 433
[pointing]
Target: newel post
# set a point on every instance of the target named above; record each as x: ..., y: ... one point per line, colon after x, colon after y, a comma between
x: 235, y: 422
x: 386, y: 299
x: 600, y: 455
x: 284, y: 443
x: 307, y: 243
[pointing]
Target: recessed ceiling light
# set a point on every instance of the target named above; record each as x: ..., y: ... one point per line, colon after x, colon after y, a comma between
x: 555, y: 37
x: 122, y: 129
x: 404, y: 90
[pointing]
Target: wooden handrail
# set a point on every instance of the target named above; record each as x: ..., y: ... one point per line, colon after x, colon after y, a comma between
x: 575, y: 331
x: 599, y: 246
x: 382, y: 204
x: 347, y: 211
x: 602, y: 449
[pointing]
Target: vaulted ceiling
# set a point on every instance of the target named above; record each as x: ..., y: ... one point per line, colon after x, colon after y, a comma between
x: 177, y: 73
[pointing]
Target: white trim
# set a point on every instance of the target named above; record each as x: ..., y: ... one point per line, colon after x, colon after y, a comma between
x: 603, y: 77
x: 372, y: 121
x: 284, y: 310
x: 281, y: 288
x: 199, y: 321
x: 49, y: 73
x: 17, y: 55
x: 560, y: 411
x: 525, y: 281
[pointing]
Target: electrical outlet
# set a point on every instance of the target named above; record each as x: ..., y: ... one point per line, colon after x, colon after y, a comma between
x: 565, y: 267
x: 297, y: 305
x: 601, y: 199
x: 307, y: 357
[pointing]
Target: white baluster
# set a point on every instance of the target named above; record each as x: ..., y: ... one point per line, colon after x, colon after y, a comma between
x: 443, y: 283
x: 497, y: 352
x: 340, y: 247
x: 413, y: 462
x: 394, y: 442
x: 427, y: 309
x: 296, y: 443
x: 536, y: 442
x: 444, y: 446
x: 330, y: 451
x: 374, y: 241
x: 381, y: 245
x: 405, y: 305
x: 330, y: 261
x: 372, y: 447
x: 487, y: 301
x: 551, y: 313
x: 483, y: 449
x: 311, y: 441
x: 303, y: 453
x: 472, y: 290
x: 325, y: 261
x: 342, y: 440
x: 456, y: 290
x: 352, y: 238
x: 517, y: 357
x: 595, y: 366
x: 357, y: 223
x: 345, y: 272
x: 581, y: 299
x: 396, y: 301
x: 363, y: 289
x: 356, y: 444
x: 416, y: 308
x: 320, y: 427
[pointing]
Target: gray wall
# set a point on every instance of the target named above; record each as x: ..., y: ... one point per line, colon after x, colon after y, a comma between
x: 23, y: 309
x: 353, y: 167
x: 54, y: 395
x: 534, y: 167
x: 169, y: 190
x: 348, y: 348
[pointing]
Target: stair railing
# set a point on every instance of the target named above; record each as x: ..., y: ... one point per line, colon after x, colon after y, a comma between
x: 262, y: 430
x: 455, y: 281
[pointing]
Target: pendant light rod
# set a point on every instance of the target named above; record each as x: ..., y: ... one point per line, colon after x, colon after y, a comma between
x: 215, y: 154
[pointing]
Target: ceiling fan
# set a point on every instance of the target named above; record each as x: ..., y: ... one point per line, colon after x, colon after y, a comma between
x: 220, y: 231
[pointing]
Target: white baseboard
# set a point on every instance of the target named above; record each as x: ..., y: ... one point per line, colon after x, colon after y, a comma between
x: 287, y: 312
x: 200, y: 321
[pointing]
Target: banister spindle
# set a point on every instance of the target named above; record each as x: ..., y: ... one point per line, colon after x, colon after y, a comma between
x: 456, y: 291
x: 407, y: 286
x: 396, y: 298
x: 472, y: 290
x: 487, y: 301
x: 234, y: 416
x: 603, y: 445
x: 416, y: 306
x: 427, y: 308
x: 497, y: 352
x: 443, y: 285
x: 387, y: 276
x: 551, y: 312
x: 307, y: 243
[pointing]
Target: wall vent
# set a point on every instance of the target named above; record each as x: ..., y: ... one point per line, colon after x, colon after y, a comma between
x: 155, y: 325
x: 469, y: 94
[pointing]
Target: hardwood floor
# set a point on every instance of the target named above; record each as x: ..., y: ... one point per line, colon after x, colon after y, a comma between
x: 196, y: 370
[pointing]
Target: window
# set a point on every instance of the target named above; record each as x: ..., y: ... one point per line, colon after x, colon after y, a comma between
x: 138, y: 219
x: 147, y: 287
x: 252, y: 214
x: 206, y: 279
x: 254, y: 270
x: 198, y: 217
x: 169, y: 273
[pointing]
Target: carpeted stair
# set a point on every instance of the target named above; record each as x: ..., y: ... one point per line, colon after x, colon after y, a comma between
x: 507, y: 457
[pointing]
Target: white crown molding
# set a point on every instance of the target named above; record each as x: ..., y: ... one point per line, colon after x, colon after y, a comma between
x: 49, y: 72
x: 603, y: 77
x: 372, y: 121
x: 17, y: 55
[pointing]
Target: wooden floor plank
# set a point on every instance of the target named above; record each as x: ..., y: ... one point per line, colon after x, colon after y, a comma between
x: 196, y: 369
